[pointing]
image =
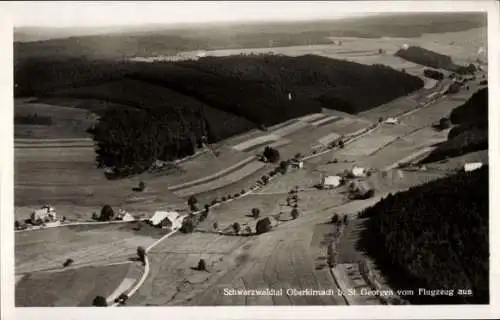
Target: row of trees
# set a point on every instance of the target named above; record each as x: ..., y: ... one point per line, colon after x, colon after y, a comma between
x: 434, y: 236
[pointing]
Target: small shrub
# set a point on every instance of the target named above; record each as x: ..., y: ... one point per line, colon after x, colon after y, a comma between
x: 141, y: 253
x: 263, y: 225
x: 99, y: 301
x: 335, y: 218
x: 142, y: 186
x: 215, y: 201
x: 107, y: 213
x: 122, y: 298
x: 236, y: 227
x: 295, y: 213
x: 202, y: 265
x: 215, y: 225
x: 95, y: 216
x: 242, y: 192
x: 255, y: 213
x: 67, y: 263
x: 192, y: 201
x: 224, y: 198
x: 345, y: 220
x: 187, y: 226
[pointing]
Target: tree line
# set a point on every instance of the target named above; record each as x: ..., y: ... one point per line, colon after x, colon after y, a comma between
x: 434, y: 236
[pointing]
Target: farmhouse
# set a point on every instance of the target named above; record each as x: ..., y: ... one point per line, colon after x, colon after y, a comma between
x: 168, y: 219
x: 331, y: 182
x: 472, y: 166
x: 46, y: 213
x: 297, y: 164
x: 124, y: 216
x: 391, y: 121
x: 358, y: 171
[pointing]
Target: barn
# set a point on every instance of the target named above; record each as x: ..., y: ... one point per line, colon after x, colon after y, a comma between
x: 166, y: 219
x: 358, y: 172
x: 330, y: 182
x: 472, y: 166
x: 46, y: 213
x: 124, y: 216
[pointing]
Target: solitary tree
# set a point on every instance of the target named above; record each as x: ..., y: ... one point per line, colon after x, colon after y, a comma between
x: 202, y: 265
x: 141, y: 253
x: 263, y: 225
x: 142, y: 185
x: 295, y: 213
x: 107, y: 213
x: 335, y: 218
x: 331, y: 256
x: 255, y: 213
x: 187, y: 225
x: 192, y: 201
x: 341, y: 144
x: 100, y: 301
x: 67, y: 263
x: 236, y: 227
x: 444, y: 123
x: 215, y: 225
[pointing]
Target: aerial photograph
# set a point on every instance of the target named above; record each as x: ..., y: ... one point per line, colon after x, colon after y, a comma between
x: 268, y: 161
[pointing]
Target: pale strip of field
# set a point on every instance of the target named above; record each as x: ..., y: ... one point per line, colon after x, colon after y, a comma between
x: 255, y: 141
x: 290, y: 128
x: 312, y: 117
x: 53, y: 145
x: 214, y: 176
x: 222, y: 181
x: 367, y: 145
x: 329, y: 138
x: 418, y: 154
x: 324, y: 120
x: 52, y: 141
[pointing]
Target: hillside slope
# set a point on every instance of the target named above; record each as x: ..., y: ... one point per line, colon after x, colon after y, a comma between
x: 434, y: 236
x: 471, y: 131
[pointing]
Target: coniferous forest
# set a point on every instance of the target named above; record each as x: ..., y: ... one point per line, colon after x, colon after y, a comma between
x: 434, y: 236
x: 165, y: 109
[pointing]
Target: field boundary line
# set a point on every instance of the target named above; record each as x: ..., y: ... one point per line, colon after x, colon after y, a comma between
x: 75, y: 224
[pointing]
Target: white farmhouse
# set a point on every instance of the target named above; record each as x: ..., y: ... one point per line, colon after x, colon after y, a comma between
x: 330, y: 182
x: 391, y: 120
x: 472, y: 166
x: 168, y: 219
x: 124, y: 216
x: 46, y: 213
x: 358, y: 171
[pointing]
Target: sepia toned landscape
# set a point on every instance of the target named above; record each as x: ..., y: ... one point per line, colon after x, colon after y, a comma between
x: 167, y: 166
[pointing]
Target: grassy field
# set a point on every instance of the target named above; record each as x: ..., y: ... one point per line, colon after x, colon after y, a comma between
x: 269, y: 261
x: 69, y: 288
x: 67, y: 122
x: 48, y: 249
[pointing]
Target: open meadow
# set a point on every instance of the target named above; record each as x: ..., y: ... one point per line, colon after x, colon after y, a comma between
x: 75, y: 287
x: 48, y: 249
